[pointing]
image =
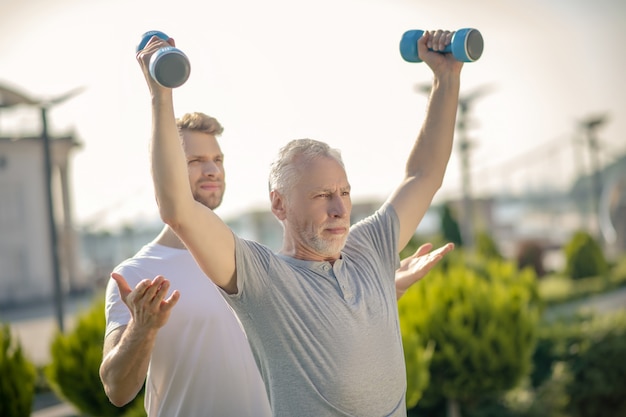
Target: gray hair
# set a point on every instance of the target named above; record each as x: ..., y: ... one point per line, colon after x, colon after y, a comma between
x: 285, y: 170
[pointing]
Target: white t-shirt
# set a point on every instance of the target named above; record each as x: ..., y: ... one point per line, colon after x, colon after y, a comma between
x: 201, y: 364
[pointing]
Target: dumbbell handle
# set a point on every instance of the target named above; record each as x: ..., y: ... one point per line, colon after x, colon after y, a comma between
x: 466, y: 45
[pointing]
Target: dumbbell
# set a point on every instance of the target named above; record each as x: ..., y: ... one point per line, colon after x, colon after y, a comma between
x: 169, y: 66
x: 466, y: 45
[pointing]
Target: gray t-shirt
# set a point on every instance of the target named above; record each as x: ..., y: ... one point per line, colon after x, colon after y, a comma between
x: 326, y: 337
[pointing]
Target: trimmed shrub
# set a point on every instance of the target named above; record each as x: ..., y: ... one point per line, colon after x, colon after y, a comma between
x: 483, y: 326
x: 584, y: 257
x: 17, y: 377
x: 579, y: 366
x: 417, y: 357
x: 487, y: 247
x: 598, y: 384
x: 74, y: 370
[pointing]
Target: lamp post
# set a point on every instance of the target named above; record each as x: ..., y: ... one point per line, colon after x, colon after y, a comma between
x: 590, y: 127
x: 10, y: 98
x: 464, y: 146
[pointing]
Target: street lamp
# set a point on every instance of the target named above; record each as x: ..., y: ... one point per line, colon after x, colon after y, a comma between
x: 464, y: 146
x: 590, y: 127
x: 11, y: 98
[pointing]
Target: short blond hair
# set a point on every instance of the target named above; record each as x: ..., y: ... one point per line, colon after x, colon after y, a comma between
x: 199, y: 122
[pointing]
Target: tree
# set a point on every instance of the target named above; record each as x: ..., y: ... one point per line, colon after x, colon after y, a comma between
x: 584, y: 257
x: 450, y: 226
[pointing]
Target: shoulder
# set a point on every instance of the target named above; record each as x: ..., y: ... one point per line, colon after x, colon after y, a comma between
x: 252, y: 248
x: 385, y: 219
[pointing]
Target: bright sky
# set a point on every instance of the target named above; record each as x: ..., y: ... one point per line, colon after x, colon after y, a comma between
x: 276, y: 70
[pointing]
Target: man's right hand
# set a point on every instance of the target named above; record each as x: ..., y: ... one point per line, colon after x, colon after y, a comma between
x: 147, y: 303
x: 127, y: 349
x: 143, y: 57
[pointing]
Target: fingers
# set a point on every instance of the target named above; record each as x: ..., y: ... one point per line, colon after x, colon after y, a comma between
x: 156, y: 290
x: 448, y: 247
x: 147, y: 291
x: 431, y: 47
x: 439, y: 39
x: 423, y: 249
x: 154, y: 44
x: 419, y: 252
x: 148, y: 302
x: 171, y: 300
x: 424, y: 258
x: 121, y: 284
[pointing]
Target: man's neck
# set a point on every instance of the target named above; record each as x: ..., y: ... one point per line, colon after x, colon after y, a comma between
x: 168, y: 238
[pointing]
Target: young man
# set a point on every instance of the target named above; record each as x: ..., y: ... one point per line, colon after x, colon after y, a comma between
x: 321, y: 314
x: 189, y: 348
x: 194, y: 358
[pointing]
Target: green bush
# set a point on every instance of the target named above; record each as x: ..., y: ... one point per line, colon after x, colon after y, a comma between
x: 554, y: 342
x: 618, y: 272
x: 598, y: 369
x: 579, y: 367
x: 483, y: 325
x: 17, y: 377
x: 584, y: 257
x: 417, y: 357
x: 559, y: 288
x: 487, y: 247
x: 74, y: 369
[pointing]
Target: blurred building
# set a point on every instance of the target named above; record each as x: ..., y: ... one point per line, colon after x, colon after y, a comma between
x: 26, y: 262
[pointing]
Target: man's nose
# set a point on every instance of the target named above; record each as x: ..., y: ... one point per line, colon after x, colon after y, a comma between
x: 210, y: 168
x: 339, y: 207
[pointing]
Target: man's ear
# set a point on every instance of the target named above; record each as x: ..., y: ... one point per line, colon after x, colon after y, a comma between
x: 278, y: 205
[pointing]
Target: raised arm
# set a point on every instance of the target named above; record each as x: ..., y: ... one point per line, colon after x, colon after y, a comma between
x: 427, y: 161
x: 206, y: 236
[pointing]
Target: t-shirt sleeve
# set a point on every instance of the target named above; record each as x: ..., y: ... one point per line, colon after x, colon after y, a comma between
x: 378, y: 235
x: 252, y: 261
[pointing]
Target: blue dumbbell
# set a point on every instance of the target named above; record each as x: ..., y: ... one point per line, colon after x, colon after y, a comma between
x: 169, y: 66
x: 466, y: 45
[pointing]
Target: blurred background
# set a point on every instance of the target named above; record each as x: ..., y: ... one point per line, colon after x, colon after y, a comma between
x: 539, y: 151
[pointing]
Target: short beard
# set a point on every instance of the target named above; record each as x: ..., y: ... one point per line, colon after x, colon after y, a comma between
x: 212, y: 202
x: 325, y: 247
